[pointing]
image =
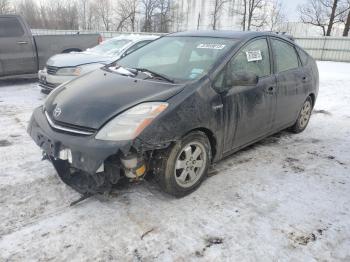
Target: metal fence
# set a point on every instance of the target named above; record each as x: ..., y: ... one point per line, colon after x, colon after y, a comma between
x: 326, y: 48
x: 321, y: 48
x: 104, y: 34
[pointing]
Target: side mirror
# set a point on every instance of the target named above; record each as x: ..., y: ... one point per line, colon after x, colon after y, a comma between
x: 241, y: 79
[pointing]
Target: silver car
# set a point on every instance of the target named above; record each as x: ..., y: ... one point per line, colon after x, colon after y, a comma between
x: 61, y: 68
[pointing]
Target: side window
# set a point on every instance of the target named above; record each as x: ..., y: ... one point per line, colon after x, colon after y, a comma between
x: 10, y: 27
x: 304, y: 57
x: 137, y: 46
x: 253, y: 58
x: 285, y: 56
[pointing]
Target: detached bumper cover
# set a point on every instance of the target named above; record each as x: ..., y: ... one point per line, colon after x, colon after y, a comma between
x: 88, y: 153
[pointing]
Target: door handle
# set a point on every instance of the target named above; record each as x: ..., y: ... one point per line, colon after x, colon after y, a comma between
x: 304, y: 78
x: 22, y: 42
x: 270, y: 89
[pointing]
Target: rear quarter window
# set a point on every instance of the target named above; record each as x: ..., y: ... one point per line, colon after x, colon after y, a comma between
x: 285, y: 56
x: 304, y: 57
x: 10, y: 27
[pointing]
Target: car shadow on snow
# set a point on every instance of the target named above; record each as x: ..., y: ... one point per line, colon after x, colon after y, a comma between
x: 17, y: 81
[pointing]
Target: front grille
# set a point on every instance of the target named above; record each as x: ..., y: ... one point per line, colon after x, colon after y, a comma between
x: 68, y: 128
x: 52, y: 70
x: 75, y: 127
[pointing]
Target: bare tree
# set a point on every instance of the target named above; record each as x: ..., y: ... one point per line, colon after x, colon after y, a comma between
x: 103, y: 9
x: 30, y: 11
x: 164, y: 7
x: 5, y: 7
x: 83, y: 12
x: 177, y: 17
x: 346, y: 20
x: 322, y: 13
x: 149, y: 8
x: 59, y: 15
x: 276, y: 15
x: 253, y: 13
x: 126, y: 15
x: 218, y: 8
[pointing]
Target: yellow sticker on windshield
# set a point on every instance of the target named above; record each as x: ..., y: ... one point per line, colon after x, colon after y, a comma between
x: 211, y: 46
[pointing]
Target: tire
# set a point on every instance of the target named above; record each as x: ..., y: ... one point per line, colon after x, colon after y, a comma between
x: 70, y: 50
x: 184, y: 165
x: 303, y: 117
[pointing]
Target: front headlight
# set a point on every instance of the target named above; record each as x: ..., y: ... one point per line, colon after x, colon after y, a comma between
x: 132, y: 122
x: 67, y: 71
x: 83, y: 69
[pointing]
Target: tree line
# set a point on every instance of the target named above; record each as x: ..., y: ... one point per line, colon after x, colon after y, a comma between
x: 166, y: 15
x: 326, y: 14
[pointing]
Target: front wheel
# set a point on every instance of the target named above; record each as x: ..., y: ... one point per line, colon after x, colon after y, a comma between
x: 184, y: 165
x: 304, y: 117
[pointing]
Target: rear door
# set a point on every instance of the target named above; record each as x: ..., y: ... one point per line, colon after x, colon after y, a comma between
x: 249, y: 110
x: 17, y: 50
x: 291, y: 80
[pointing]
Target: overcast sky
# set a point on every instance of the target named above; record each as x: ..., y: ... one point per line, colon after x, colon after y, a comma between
x: 290, y: 7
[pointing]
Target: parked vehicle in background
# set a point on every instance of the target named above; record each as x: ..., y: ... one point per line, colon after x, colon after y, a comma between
x: 64, y: 67
x: 173, y: 107
x: 22, y: 53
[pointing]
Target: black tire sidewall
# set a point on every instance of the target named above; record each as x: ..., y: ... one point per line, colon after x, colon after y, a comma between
x: 296, y: 127
x: 169, y: 183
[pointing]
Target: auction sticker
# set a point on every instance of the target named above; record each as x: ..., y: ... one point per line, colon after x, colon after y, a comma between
x: 211, y: 46
x: 254, y: 55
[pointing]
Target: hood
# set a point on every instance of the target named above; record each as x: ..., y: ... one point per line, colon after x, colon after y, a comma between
x: 78, y: 58
x: 93, y: 99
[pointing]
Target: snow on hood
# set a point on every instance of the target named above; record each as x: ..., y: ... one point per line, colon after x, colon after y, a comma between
x: 87, y: 57
x: 78, y: 58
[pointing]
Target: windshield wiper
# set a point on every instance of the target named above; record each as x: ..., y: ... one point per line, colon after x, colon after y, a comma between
x: 155, y: 74
x: 120, y: 70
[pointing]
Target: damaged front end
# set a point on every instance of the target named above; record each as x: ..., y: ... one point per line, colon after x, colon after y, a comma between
x: 86, y: 164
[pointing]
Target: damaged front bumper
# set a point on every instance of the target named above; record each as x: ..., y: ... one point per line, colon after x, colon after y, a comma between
x: 83, y: 152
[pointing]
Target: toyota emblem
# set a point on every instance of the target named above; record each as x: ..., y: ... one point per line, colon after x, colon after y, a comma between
x: 57, y: 112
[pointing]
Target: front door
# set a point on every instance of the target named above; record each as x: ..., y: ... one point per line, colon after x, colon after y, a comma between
x: 17, y: 50
x: 249, y: 109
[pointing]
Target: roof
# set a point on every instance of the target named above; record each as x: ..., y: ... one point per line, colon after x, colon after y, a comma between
x: 135, y: 37
x: 229, y: 34
x: 219, y: 33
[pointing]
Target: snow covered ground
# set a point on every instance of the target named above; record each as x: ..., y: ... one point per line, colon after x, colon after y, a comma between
x: 286, y: 198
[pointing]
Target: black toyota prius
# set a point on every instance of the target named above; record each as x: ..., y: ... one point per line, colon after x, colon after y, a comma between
x: 174, y: 107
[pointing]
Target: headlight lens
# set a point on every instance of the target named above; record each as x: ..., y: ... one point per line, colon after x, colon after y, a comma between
x: 83, y: 69
x: 132, y: 122
x: 67, y: 71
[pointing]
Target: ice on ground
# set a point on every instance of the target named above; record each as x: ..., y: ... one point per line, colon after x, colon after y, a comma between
x: 284, y: 198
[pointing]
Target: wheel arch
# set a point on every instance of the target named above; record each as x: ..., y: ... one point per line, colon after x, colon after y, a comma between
x: 71, y: 50
x: 313, y: 99
x: 211, y: 137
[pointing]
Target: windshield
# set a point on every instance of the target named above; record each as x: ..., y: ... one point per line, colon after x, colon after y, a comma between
x: 111, y: 46
x: 179, y: 58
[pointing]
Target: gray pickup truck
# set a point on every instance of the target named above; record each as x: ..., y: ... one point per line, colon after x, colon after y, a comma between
x: 21, y: 53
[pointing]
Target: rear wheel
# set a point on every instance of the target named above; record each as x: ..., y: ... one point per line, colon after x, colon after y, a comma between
x: 185, y: 164
x: 304, y: 117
